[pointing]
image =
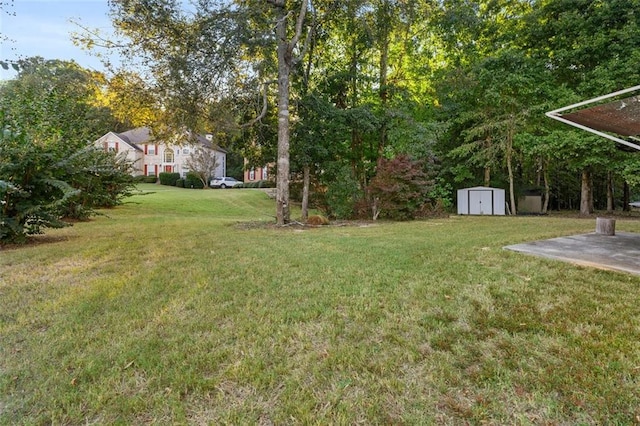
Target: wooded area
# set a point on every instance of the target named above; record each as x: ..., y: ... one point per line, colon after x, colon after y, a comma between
x: 334, y: 91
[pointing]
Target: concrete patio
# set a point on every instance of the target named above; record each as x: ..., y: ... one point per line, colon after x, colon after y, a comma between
x: 620, y: 252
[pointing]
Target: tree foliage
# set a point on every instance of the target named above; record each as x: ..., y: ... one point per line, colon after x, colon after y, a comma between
x: 203, y: 163
x: 49, y: 169
x: 462, y: 83
x: 400, y: 190
x: 31, y: 191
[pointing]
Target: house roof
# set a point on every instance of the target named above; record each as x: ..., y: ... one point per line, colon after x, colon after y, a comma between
x: 617, y: 120
x: 142, y: 135
x: 136, y: 136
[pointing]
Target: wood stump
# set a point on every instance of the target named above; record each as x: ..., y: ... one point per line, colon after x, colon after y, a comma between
x: 605, y: 226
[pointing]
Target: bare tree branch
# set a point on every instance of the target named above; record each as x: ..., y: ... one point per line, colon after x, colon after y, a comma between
x: 310, y: 34
x: 299, y: 23
x: 264, y: 106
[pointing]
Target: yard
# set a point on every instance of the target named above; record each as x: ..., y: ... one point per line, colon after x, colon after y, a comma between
x: 181, y: 307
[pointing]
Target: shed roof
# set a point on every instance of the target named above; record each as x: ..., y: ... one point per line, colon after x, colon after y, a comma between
x: 614, y: 119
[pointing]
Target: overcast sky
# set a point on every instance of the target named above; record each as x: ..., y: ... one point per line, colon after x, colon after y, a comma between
x: 44, y: 27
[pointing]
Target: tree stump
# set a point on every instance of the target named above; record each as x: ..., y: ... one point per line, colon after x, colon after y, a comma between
x: 605, y: 226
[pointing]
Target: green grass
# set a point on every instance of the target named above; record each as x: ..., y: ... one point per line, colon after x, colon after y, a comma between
x: 168, y: 310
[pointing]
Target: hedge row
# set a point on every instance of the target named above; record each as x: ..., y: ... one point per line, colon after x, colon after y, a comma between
x: 258, y: 184
x: 168, y: 179
x: 145, y: 179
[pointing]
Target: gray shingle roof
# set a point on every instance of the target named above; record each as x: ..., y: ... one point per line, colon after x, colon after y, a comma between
x: 142, y: 135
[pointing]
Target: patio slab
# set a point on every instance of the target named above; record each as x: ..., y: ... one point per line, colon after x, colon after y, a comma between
x: 620, y: 252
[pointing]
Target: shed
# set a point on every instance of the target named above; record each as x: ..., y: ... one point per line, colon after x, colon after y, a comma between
x: 481, y: 200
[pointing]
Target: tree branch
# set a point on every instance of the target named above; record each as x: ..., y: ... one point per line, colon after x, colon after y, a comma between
x: 310, y: 34
x: 264, y: 105
x: 299, y: 23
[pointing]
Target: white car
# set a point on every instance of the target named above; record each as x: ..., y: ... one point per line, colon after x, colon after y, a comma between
x: 224, y: 182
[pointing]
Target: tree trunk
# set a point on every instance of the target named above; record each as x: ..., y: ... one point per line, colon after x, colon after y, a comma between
x: 547, y: 189
x: 285, y: 62
x: 487, y: 176
x: 509, y: 152
x: 626, y: 197
x: 282, y: 177
x: 610, y: 206
x: 305, y: 193
x: 384, y: 41
x: 605, y: 226
x: 585, y: 193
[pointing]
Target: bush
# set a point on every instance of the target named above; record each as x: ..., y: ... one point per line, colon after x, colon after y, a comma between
x: 266, y: 184
x: 31, y: 191
x: 342, y: 192
x: 168, y: 178
x: 192, y: 180
x: 150, y: 179
x: 139, y: 178
x: 102, y: 178
x: 180, y: 183
x: 400, y: 189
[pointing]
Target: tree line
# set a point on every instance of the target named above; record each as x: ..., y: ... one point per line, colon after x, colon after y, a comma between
x: 382, y: 108
x: 459, y: 87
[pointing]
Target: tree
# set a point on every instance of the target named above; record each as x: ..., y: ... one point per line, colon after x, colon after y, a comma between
x: 400, y: 189
x: 55, y: 101
x: 589, y: 50
x: 31, y: 192
x: 48, y: 168
x: 203, y: 163
x: 202, y: 55
x: 286, y: 61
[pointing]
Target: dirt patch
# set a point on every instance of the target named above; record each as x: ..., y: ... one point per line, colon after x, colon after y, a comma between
x: 300, y: 225
x: 35, y: 240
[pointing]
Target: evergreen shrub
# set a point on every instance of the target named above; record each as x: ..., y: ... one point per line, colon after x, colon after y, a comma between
x: 192, y: 180
x: 168, y: 178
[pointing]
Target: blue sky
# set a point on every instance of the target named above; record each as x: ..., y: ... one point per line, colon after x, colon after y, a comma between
x: 43, y: 28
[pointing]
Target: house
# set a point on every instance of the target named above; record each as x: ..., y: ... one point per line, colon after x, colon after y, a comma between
x: 151, y: 157
x: 254, y: 174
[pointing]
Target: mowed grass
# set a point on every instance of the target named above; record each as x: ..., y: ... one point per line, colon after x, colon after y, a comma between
x: 177, y: 308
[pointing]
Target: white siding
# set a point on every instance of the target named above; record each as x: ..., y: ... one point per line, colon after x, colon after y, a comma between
x: 481, y: 200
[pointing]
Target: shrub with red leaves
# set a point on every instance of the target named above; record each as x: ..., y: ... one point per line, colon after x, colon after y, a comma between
x: 400, y: 189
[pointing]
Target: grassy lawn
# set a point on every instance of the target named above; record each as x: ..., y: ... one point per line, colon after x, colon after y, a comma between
x: 166, y: 311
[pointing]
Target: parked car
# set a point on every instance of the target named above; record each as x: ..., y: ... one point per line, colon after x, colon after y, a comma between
x: 224, y: 182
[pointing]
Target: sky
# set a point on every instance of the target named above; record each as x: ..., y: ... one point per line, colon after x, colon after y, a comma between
x: 44, y: 27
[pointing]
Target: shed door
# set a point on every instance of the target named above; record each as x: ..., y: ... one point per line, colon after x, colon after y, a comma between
x: 480, y: 202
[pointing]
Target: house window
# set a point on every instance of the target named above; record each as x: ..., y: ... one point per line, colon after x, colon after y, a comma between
x: 168, y: 156
x: 252, y: 174
x: 185, y: 151
x: 264, y: 173
x: 151, y: 149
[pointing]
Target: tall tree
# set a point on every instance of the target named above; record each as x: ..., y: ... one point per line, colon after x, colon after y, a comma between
x: 55, y: 100
x: 590, y: 48
x: 208, y: 52
x: 286, y: 61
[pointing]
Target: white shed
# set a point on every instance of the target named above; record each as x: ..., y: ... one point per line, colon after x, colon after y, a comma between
x: 481, y: 200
